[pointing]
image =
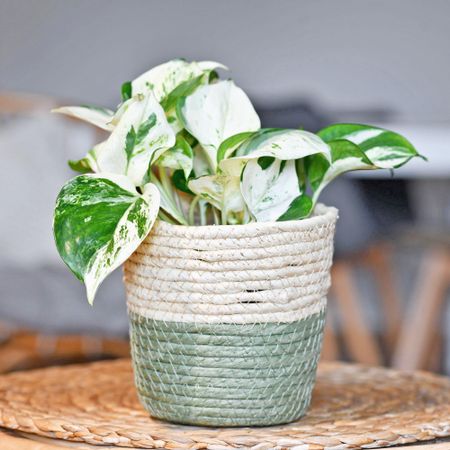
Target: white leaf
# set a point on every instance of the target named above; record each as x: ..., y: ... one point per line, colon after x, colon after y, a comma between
x: 215, y: 112
x: 269, y: 192
x: 100, y: 117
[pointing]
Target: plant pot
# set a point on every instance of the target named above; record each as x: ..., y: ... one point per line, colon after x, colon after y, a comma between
x: 226, y: 322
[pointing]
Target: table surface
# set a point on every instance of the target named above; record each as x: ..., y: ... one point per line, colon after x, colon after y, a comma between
x: 10, y: 440
x: 353, y: 407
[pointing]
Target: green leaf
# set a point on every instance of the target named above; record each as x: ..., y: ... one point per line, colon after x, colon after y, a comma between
x: 282, y: 144
x: 228, y: 146
x: 81, y: 166
x: 127, y: 91
x: 134, y: 139
x: 346, y: 156
x: 130, y: 141
x: 144, y: 128
x: 300, y: 208
x: 99, y: 222
x: 386, y: 149
x: 215, y: 112
x: 269, y: 189
x: 181, y: 182
x: 265, y: 161
x: 100, y: 117
x: 180, y: 156
x: 86, y: 164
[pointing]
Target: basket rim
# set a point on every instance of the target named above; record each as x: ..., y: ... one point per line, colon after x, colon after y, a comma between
x: 322, y: 215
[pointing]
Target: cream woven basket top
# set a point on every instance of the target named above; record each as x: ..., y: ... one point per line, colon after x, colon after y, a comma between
x: 260, y: 272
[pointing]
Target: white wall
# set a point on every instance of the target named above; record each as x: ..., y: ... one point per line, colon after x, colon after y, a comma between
x: 344, y: 54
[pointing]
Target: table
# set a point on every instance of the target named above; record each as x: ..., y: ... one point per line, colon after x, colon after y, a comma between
x: 83, y: 406
x: 16, y: 441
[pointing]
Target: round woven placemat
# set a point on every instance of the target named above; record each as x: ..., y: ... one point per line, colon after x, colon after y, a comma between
x: 353, y: 407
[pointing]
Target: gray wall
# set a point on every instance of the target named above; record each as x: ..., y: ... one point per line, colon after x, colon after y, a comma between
x: 344, y: 54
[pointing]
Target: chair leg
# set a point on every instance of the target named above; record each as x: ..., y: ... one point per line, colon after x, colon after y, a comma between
x: 380, y: 260
x: 415, y: 342
x: 330, y: 349
x: 360, y: 344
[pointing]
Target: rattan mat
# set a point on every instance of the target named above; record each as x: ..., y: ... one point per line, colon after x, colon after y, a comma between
x: 353, y: 407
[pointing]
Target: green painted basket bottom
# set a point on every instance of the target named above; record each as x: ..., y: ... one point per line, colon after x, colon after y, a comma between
x: 225, y: 374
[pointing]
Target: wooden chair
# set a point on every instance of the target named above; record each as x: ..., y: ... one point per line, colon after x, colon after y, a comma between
x: 420, y: 341
x: 411, y: 339
x: 356, y: 340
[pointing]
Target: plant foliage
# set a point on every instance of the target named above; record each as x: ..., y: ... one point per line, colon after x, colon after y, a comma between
x: 188, y: 148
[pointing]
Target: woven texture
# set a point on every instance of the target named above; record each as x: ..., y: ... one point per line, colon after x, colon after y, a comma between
x: 227, y: 321
x: 353, y: 407
x: 228, y: 374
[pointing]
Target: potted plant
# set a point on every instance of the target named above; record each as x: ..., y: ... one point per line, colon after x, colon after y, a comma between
x: 227, y: 251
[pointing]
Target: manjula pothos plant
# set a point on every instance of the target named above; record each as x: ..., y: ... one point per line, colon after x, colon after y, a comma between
x: 188, y: 148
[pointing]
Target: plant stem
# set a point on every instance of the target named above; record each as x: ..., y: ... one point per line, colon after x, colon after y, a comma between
x: 165, y: 181
x: 215, y: 215
x: 191, y: 216
x: 163, y: 216
x: 223, y: 216
x: 203, y: 209
x: 168, y: 195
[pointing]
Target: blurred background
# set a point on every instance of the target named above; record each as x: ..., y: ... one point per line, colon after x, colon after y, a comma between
x: 303, y: 63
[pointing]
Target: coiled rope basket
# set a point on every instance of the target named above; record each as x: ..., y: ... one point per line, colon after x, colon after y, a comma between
x: 226, y: 322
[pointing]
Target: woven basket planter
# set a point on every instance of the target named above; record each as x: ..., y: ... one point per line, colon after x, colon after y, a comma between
x: 226, y: 322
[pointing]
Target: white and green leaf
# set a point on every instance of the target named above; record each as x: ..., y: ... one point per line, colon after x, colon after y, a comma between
x: 386, y: 149
x: 277, y: 143
x: 357, y: 147
x: 270, y: 188
x: 86, y: 164
x: 221, y: 191
x: 345, y: 157
x: 99, y: 222
x: 163, y: 79
x: 100, y: 117
x: 141, y: 135
x: 180, y: 156
x: 168, y: 196
x: 215, y: 112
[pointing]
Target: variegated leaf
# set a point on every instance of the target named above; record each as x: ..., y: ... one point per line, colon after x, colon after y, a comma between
x: 269, y: 187
x: 86, y: 164
x: 200, y: 164
x: 180, y: 156
x: 215, y: 112
x: 386, y: 149
x: 229, y: 145
x: 100, y: 117
x: 168, y: 202
x: 345, y: 156
x: 163, y: 79
x: 141, y: 135
x: 99, y: 221
x: 221, y: 191
x: 357, y: 147
x: 278, y: 143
